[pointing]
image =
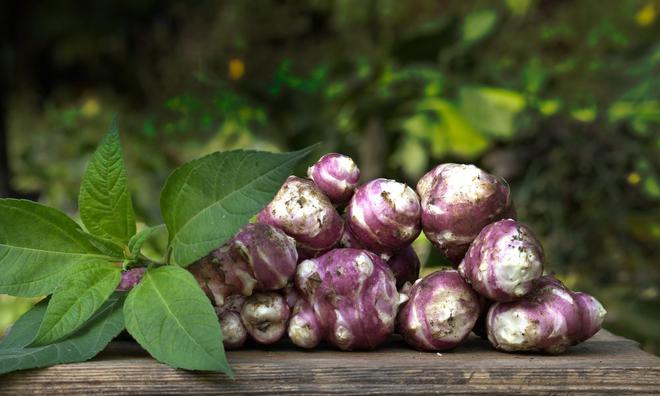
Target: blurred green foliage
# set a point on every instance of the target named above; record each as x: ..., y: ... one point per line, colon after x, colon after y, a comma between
x: 561, y: 98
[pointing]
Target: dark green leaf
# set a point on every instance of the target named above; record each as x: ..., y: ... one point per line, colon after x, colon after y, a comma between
x: 105, y: 203
x: 102, y: 327
x: 38, y: 245
x: 169, y: 315
x: 206, y: 201
x: 79, y: 295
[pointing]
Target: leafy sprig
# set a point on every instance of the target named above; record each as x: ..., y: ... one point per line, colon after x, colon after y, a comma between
x: 44, y: 252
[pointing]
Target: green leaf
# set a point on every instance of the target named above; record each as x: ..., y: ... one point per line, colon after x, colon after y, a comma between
x: 449, y: 131
x: 79, y: 295
x: 492, y: 110
x: 169, y: 315
x: 206, y: 201
x: 478, y: 24
x: 38, y: 245
x: 137, y: 240
x: 84, y: 344
x: 104, y: 201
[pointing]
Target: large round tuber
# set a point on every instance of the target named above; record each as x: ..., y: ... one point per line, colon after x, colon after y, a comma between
x: 303, y: 212
x: 384, y: 216
x: 353, y: 295
x: 265, y: 316
x: 503, y: 262
x: 549, y: 319
x: 441, y: 311
x: 336, y: 175
x: 457, y: 202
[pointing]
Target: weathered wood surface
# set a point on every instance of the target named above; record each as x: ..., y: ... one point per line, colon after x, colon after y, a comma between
x: 606, y: 364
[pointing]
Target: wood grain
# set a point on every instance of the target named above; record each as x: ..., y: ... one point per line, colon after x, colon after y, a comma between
x: 606, y: 364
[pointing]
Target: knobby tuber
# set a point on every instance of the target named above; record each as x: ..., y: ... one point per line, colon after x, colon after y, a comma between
x: 503, y: 262
x: 440, y: 313
x: 303, y: 212
x: 336, y: 175
x: 457, y: 202
x: 353, y: 295
x: 384, y: 216
x: 549, y: 319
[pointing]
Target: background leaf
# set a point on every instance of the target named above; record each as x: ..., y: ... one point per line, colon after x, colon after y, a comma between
x: 137, y: 240
x: 102, y: 327
x: 205, y: 201
x: 169, y: 315
x: 79, y: 295
x: 105, y: 203
x: 38, y: 245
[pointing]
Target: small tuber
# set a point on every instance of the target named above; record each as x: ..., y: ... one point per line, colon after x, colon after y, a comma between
x: 336, y: 175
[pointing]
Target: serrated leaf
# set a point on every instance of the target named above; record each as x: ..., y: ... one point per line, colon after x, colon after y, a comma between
x: 84, y: 344
x: 81, y: 293
x: 38, y: 245
x: 169, y: 315
x: 206, y: 201
x: 105, y: 203
x: 137, y: 240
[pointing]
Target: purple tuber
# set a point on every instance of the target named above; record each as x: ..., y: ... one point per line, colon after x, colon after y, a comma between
x: 384, y: 216
x: 353, y: 296
x: 303, y: 212
x: 503, y: 262
x: 304, y: 329
x: 441, y: 311
x: 336, y: 175
x: 259, y: 257
x: 405, y: 266
x: 457, y: 202
x: 549, y: 319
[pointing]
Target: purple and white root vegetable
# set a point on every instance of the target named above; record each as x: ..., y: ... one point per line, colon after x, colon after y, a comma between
x: 457, y: 202
x: 549, y: 319
x: 440, y: 313
x: 130, y: 278
x: 336, y: 175
x: 259, y: 257
x: 233, y: 331
x: 384, y: 216
x: 303, y: 212
x: 353, y: 295
x: 405, y: 265
x: 265, y: 316
x: 304, y: 329
x: 503, y: 262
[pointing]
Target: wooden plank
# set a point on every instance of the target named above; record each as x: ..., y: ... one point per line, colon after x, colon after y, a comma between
x: 606, y: 364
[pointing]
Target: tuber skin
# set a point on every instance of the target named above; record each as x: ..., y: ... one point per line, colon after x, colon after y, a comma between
x: 384, y: 216
x: 304, y: 329
x: 265, y: 316
x: 259, y: 257
x: 336, y: 175
x: 549, y: 319
x: 234, y: 333
x: 457, y: 202
x: 130, y: 278
x: 441, y: 311
x: 405, y: 266
x: 353, y: 295
x: 303, y: 212
x: 503, y: 262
